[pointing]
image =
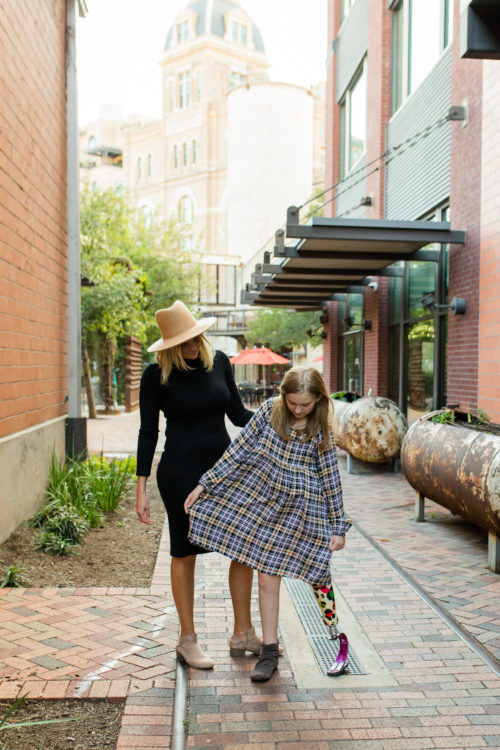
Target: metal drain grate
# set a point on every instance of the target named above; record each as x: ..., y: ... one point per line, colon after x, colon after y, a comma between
x: 325, y: 650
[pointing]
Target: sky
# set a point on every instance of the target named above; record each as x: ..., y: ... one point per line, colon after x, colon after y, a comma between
x: 120, y: 42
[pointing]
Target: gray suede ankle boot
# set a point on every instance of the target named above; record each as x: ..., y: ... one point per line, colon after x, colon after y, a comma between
x: 266, y: 663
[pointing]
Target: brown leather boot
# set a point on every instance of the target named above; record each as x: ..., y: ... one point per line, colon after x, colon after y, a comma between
x: 266, y: 663
x: 251, y: 642
x: 189, y: 650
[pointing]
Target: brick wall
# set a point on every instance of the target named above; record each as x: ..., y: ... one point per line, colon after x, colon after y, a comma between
x: 330, y: 348
x: 33, y: 329
x: 489, y: 279
x: 465, y: 211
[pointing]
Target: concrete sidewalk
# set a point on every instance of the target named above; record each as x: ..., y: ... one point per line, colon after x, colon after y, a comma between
x: 413, y: 598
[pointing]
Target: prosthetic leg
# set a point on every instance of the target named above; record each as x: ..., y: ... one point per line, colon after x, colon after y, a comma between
x: 326, y: 600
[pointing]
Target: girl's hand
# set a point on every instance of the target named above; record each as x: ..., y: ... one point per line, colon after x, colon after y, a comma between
x: 336, y: 543
x: 142, y: 502
x: 193, y: 497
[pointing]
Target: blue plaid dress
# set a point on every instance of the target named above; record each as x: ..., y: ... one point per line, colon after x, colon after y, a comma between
x: 272, y: 504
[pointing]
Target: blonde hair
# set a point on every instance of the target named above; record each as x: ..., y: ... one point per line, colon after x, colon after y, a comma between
x: 167, y: 359
x: 304, y: 380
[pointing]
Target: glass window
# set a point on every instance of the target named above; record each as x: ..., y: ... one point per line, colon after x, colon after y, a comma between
x: 235, y: 31
x: 421, y: 30
x: 176, y: 156
x: 208, y: 284
x: 184, y: 89
x: 139, y: 168
x: 186, y: 210
x: 352, y: 362
x: 92, y: 143
x: 185, y: 154
x: 420, y: 366
x: 353, y: 123
x: 421, y: 281
x: 194, y: 151
x: 355, y: 309
x: 182, y: 32
x: 171, y: 96
x: 243, y: 34
x: 150, y: 165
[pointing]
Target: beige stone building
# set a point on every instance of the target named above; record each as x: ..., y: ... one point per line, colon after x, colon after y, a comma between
x: 178, y: 164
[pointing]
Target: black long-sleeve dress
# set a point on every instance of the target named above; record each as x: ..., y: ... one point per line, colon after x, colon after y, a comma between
x: 194, y: 404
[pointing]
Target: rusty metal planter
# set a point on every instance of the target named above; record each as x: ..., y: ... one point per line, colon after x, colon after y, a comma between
x: 458, y: 468
x: 370, y: 429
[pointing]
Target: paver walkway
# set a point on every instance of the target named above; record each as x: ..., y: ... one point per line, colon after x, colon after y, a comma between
x: 425, y: 688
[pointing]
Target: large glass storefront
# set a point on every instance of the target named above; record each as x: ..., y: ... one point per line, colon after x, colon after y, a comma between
x: 418, y: 331
x: 351, y: 340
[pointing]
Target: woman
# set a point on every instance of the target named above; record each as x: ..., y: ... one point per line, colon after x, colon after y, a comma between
x: 274, y: 500
x: 194, y: 387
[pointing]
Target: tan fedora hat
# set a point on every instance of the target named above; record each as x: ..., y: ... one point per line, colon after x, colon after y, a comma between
x: 177, y: 325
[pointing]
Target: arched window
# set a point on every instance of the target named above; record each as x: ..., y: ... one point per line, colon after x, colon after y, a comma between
x: 150, y: 165
x: 139, y: 168
x: 186, y: 210
x: 194, y: 151
x: 171, y: 96
x: 185, y: 154
x: 176, y: 156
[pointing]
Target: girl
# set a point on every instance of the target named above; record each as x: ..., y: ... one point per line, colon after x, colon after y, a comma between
x: 273, y: 501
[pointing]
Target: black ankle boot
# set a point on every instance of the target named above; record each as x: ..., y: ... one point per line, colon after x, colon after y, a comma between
x: 266, y: 663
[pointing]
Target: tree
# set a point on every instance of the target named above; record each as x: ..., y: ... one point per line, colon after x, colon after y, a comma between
x: 136, y: 265
x: 279, y: 328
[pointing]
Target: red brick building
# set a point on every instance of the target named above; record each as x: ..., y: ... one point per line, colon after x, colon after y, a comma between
x: 406, y: 262
x: 33, y: 251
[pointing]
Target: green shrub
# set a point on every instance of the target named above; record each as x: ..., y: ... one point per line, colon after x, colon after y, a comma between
x: 14, y: 577
x: 53, y: 544
x: 77, y: 495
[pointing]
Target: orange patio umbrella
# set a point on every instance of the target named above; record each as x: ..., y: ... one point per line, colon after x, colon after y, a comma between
x: 258, y: 356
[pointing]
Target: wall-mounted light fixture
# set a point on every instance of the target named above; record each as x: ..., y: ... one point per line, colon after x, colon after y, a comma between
x: 458, y: 305
x: 323, y: 319
x: 324, y: 335
x: 366, y: 324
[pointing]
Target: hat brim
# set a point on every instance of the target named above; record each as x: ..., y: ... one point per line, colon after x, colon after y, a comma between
x: 203, y: 325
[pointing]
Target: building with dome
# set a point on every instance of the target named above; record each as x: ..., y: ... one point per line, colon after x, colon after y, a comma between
x: 178, y: 164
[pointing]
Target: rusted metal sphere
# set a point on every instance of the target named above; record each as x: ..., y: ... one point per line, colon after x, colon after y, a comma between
x: 371, y: 428
x: 457, y: 468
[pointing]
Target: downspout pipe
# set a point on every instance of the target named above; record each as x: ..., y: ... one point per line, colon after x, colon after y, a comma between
x: 76, y: 425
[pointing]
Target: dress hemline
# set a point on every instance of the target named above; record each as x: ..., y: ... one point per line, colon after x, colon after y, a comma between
x: 239, y: 559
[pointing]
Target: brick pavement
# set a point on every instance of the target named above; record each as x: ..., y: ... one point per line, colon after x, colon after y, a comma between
x: 119, y: 643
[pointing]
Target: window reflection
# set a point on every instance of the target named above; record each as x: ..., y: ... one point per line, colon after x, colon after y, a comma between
x: 421, y: 281
x: 420, y: 366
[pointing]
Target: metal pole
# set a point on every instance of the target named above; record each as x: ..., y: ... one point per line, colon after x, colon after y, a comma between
x: 76, y: 427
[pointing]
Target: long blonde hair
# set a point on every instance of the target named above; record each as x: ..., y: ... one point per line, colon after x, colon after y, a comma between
x: 167, y: 359
x: 304, y: 380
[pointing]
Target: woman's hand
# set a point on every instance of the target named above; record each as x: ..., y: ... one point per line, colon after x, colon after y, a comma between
x: 193, y: 497
x: 336, y: 543
x: 142, y: 502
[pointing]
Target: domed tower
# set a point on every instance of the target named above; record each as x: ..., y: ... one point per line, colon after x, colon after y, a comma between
x: 212, y: 46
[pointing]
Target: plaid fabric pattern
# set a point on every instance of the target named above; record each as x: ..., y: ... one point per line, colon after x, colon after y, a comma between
x: 272, y: 504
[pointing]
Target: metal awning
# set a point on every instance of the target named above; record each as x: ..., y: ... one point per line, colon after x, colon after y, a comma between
x: 331, y: 256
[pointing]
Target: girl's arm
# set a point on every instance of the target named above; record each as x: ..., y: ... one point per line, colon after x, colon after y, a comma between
x: 332, y: 493
x: 240, y: 449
